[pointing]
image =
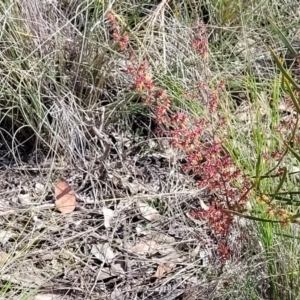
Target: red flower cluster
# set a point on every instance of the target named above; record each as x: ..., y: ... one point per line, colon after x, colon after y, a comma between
x: 219, y: 220
x: 223, y: 251
x: 200, y: 41
x: 187, y: 139
x: 163, y: 104
x: 122, y: 39
x: 142, y: 76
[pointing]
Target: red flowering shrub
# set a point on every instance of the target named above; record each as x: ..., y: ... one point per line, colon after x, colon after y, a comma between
x: 199, y: 139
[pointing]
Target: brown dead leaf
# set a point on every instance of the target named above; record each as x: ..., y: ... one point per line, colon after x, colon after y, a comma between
x: 65, y: 197
x: 242, y: 116
x: 148, y: 212
x: 3, y: 257
x: 108, y: 216
x: 171, y: 259
x: 116, y: 269
x: 105, y: 274
x: 39, y: 187
x: 161, y: 270
x: 103, y: 252
x: 116, y: 295
x: 145, y: 247
x: 24, y: 279
x: 160, y: 237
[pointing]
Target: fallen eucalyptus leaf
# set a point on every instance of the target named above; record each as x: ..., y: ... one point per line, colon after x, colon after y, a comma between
x: 116, y: 269
x: 134, y: 186
x: 105, y: 274
x: 3, y: 257
x: 161, y: 270
x: 195, y: 252
x: 142, y: 230
x: 165, y: 249
x: 38, y: 223
x: 203, y: 205
x: 160, y: 237
x: 148, y: 212
x: 171, y: 259
x: 108, y: 215
x: 103, y: 252
x: 145, y: 247
x: 116, y: 294
x: 24, y: 279
x: 65, y: 197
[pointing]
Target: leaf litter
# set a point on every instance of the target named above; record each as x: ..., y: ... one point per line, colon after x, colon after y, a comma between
x: 111, y: 245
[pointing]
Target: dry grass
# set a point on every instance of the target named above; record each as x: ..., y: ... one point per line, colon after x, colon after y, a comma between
x: 68, y: 111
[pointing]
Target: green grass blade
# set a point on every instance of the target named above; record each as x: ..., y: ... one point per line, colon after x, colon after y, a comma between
x: 282, y: 37
x: 283, y: 70
x: 257, y: 171
x: 287, y: 201
x: 292, y: 95
x: 296, y: 155
x: 250, y: 217
x: 281, y: 182
x: 288, y: 236
x: 284, y: 193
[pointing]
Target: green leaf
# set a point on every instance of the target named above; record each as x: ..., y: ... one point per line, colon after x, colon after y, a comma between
x: 288, y: 235
x: 294, y: 153
x: 282, y: 37
x: 257, y: 171
x: 290, y: 92
x: 288, y: 201
x: 285, y: 193
x: 283, y: 70
x: 250, y: 217
x: 281, y: 182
